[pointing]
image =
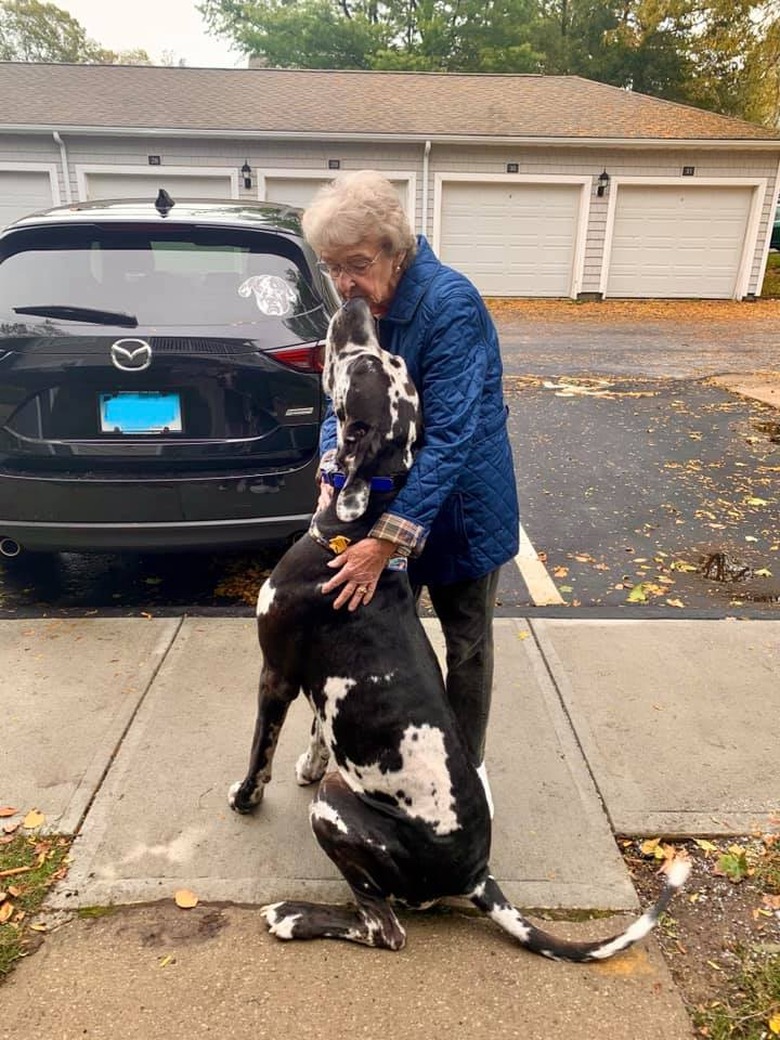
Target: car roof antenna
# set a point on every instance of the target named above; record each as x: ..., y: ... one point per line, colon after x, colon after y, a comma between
x: 164, y: 203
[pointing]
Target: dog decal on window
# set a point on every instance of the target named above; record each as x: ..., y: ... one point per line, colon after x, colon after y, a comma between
x: 273, y: 295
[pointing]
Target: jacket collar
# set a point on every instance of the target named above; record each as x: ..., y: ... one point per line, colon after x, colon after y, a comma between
x: 414, y: 283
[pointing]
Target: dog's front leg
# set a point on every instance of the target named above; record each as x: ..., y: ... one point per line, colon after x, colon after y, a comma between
x: 276, y: 694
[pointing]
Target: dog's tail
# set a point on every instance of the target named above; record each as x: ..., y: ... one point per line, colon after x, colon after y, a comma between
x: 489, y: 898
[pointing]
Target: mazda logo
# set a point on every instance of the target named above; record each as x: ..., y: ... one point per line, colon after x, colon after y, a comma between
x: 131, y: 355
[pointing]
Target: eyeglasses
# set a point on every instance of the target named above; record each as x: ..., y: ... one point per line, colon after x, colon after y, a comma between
x: 354, y: 270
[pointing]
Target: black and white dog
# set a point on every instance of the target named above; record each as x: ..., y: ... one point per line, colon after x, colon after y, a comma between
x: 403, y: 814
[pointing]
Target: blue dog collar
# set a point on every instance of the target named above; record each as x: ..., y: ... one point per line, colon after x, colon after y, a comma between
x: 338, y: 480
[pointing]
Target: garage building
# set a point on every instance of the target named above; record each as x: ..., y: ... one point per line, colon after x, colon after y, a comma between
x: 534, y: 186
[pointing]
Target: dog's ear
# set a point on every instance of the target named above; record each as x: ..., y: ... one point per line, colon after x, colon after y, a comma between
x: 360, y: 444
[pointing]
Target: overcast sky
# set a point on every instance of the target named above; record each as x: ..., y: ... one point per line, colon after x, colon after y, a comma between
x: 154, y: 25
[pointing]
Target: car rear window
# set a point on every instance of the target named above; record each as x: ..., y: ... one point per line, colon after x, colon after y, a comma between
x: 164, y: 276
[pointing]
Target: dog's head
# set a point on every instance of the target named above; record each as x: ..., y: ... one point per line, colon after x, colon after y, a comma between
x: 376, y: 406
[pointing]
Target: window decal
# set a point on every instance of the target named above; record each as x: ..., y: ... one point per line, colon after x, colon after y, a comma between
x: 273, y: 295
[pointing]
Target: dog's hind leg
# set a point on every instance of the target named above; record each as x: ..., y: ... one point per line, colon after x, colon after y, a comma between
x: 371, y: 922
x: 313, y: 762
x: 276, y: 694
x: 360, y: 843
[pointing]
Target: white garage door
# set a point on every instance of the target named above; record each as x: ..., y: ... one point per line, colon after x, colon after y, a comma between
x: 511, y: 239
x: 295, y: 191
x: 671, y: 241
x: 23, y: 192
x: 146, y: 186
x: 299, y: 191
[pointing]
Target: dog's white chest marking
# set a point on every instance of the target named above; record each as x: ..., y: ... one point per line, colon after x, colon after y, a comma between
x: 422, y: 787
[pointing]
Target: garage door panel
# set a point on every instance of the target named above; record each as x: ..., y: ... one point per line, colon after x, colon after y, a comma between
x: 299, y: 191
x: 295, y: 191
x: 511, y: 240
x: 143, y: 186
x: 672, y: 241
x: 23, y: 192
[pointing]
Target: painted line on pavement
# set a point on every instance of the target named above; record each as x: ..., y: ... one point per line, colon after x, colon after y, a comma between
x: 541, y: 587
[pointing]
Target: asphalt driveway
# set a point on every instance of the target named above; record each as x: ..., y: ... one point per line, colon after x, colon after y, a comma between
x: 637, y: 458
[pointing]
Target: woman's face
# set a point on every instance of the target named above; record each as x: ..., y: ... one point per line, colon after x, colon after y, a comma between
x: 365, y: 269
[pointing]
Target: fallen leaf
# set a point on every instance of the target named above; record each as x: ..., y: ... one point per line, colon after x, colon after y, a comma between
x: 637, y: 595
x: 34, y: 818
x: 675, y: 603
x: 12, y: 827
x: 732, y: 865
x: 774, y: 1024
x: 707, y: 846
x: 7, y: 810
x: 756, y: 501
x: 169, y: 959
x: 6, y: 912
x: 185, y: 899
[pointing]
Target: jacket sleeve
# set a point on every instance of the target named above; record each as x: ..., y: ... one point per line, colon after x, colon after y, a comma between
x: 328, y: 429
x: 453, y: 365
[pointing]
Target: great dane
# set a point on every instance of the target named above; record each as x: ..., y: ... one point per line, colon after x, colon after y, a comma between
x: 403, y: 814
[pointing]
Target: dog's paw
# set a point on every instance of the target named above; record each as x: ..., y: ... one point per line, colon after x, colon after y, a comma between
x: 243, y: 800
x: 280, y: 920
x: 310, y: 768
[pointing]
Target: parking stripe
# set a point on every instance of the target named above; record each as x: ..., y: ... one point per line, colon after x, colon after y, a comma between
x: 541, y: 587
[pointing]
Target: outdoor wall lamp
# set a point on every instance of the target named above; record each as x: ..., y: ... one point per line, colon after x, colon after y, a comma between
x: 246, y: 172
x: 603, y: 184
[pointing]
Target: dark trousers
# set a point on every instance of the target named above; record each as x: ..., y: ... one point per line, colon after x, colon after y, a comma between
x: 465, y: 610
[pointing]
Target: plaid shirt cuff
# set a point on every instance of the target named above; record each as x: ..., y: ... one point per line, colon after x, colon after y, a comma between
x: 407, y: 536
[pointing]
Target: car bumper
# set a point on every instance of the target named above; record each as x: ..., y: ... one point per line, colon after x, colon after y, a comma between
x: 77, y: 515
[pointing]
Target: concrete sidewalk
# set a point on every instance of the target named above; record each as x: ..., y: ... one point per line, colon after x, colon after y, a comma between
x: 128, y: 733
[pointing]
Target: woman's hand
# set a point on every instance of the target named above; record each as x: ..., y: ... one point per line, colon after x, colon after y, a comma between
x: 358, y: 570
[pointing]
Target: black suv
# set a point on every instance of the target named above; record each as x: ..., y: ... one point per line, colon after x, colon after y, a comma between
x: 159, y: 376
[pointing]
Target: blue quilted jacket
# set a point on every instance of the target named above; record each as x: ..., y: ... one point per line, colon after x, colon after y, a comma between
x: 461, y: 489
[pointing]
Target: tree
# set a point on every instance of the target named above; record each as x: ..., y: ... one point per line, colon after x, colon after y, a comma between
x: 421, y: 35
x: 34, y: 31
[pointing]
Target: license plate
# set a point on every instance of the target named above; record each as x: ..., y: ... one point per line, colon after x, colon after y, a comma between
x: 145, y: 411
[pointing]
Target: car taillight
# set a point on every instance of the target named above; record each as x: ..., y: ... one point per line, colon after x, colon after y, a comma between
x: 306, y: 357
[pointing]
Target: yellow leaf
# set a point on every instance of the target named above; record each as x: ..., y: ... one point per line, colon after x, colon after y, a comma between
x: 33, y: 819
x: 753, y: 501
x: 185, y: 899
x: 523, y: 635
x: 170, y: 959
x: 647, y: 848
x: 707, y: 846
x: 637, y: 595
x: 675, y: 603
x: 6, y: 911
x: 774, y: 1024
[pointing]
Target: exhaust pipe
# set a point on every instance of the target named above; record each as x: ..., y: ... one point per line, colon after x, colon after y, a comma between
x: 9, y: 547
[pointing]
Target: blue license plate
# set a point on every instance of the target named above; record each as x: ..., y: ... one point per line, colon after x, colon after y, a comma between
x: 145, y: 411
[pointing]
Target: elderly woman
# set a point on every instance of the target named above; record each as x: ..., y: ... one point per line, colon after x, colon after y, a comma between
x: 456, y: 518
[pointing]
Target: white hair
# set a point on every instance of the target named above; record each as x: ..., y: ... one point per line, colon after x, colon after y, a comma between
x: 356, y: 206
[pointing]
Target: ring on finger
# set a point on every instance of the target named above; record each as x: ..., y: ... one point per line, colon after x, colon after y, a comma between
x: 362, y: 589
